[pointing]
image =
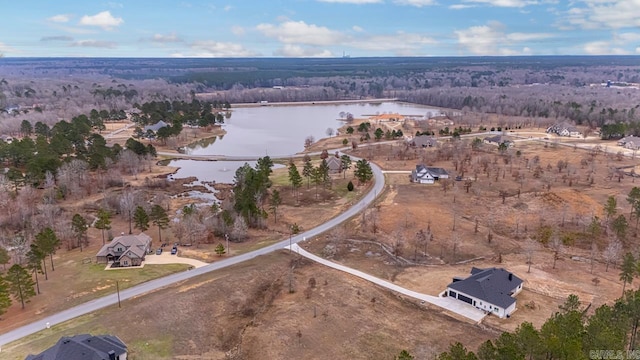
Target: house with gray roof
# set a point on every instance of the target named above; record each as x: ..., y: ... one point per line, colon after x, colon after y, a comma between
x: 490, y: 289
x: 563, y: 129
x: 155, y: 127
x: 85, y: 347
x: 423, y: 141
x: 428, y: 175
x: 630, y: 142
x: 334, y: 164
x: 125, y: 250
x: 497, y: 140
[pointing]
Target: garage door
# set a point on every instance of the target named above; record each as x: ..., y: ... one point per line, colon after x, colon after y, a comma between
x: 464, y: 298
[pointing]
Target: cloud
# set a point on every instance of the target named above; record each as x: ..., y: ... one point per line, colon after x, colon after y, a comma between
x: 416, y: 3
x: 638, y: 50
x: 163, y: 39
x: 228, y: 8
x: 4, y: 48
x: 603, y: 48
x: 115, y: 5
x: 102, y: 19
x: 402, y: 44
x: 627, y: 37
x: 505, y: 3
x: 608, y: 14
x: 289, y: 50
x: 95, y: 43
x: 62, y: 18
x: 237, y: 30
x: 491, y: 39
x: 56, y: 38
x: 357, y: 28
x: 210, y: 48
x: 299, y: 32
x: 461, y: 6
x: 357, y: 2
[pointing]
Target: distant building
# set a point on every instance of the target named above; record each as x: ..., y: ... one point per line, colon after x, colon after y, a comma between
x: 490, y: 289
x: 497, y: 140
x: 630, y: 142
x: 85, y: 347
x: 423, y: 141
x: 155, y: 127
x: 563, y: 129
x: 428, y: 175
x: 334, y: 164
x: 6, y: 138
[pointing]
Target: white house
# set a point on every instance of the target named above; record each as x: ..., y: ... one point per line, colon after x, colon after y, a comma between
x: 427, y: 175
x: 490, y: 289
x: 564, y: 129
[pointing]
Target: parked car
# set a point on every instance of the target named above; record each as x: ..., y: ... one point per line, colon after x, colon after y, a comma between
x: 174, y: 250
x: 159, y: 251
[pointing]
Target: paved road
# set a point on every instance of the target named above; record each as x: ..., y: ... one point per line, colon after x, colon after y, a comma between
x: 449, y: 304
x: 152, y: 285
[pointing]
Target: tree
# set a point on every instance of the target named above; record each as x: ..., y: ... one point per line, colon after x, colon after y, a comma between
x: 20, y: 284
x: 457, y: 351
x: 5, y: 296
x: 140, y: 219
x: 329, y: 132
x: 610, y: 207
x: 220, y: 250
x: 378, y: 133
x: 404, y: 355
x: 363, y: 171
x: 128, y: 206
x: 104, y: 222
x: 612, y: 252
x: 633, y: 198
x: 529, y: 247
x: 295, y: 179
x: 48, y: 243
x: 620, y: 226
x: 160, y: 219
x: 345, y: 164
x: 79, y: 226
x: 627, y: 270
x: 557, y: 247
x: 26, y: 128
x: 307, y: 171
x: 4, y: 257
x: 274, y: 202
x: 34, y: 262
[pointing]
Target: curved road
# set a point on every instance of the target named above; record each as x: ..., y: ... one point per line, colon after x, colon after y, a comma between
x: 152, y: 285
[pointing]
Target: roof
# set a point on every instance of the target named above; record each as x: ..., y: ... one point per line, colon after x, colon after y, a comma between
x: 493, y: 285
x: 423, y: 141
x: 155, y: 127
x: 433, y: 171
x: 83, y: 347
x: 334, y: 163
x: 131, y: 242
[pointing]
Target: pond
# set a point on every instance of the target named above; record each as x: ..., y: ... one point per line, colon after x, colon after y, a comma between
x: 279, y: 131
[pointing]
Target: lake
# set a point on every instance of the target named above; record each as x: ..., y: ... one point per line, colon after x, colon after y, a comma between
x: 279, y: 131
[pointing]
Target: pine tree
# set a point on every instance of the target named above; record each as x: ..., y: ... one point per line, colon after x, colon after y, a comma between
x: 274, y: 202
x: 5, y: 296
x: 160, y: 219
x: 20, y: 284
x: 220, y: 250
x: 104, y: 222
x: 79, y: 226
x: 307, y: 171
x: 627, y: 270
x: 140, y: 219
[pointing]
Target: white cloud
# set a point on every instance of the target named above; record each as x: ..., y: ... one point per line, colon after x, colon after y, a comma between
x: 237, y: 30
x: 491, y: 39
x: 505, y: 3
x: 56, y: 38
x: 627, y: 37
x: 169, y: 38
x: 290, y: 50
x: 4, y: 49
x: 299, y: 32
x: 228, y: 8
x: 358, y: 2
x: 210, y: 48
x: 102, y: 19
x: 357, y: 28
x: 603, y: 48
x: 95, y: 43
x: 461, y: 6
x: 403, y: 44
x: 612, y: 14
x: 416, y: 3
x: 62, y: 18
x: 638, y: 50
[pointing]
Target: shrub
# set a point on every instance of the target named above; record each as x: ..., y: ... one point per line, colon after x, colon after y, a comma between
x: 350, y: 186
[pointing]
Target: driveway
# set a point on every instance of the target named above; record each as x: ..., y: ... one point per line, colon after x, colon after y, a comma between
x: 454, y: 306
x: 167, y: 258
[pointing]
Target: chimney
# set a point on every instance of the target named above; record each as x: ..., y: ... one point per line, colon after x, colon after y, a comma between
x: 510, y: 276
x: 112, y: 355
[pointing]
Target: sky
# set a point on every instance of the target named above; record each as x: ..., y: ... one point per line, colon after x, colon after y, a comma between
x: 318, y: 28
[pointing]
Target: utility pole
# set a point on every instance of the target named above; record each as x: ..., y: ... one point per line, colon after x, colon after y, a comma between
x: 226, y: 236
x: 118, y: 291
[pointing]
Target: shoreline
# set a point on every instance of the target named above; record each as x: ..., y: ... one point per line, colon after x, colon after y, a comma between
x: 327, y: 102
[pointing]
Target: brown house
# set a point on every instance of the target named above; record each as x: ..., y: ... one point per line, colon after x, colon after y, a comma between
x: 125, y: 250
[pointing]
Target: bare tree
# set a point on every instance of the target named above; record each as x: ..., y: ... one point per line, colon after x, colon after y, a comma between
x: 613, y: 250
x: 128, y: 205
x: 529, y: 247
x: 130, y: 162
x: 557, y: 247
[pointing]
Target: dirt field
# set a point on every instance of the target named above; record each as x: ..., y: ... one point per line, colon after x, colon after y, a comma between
x: 247, y: 312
